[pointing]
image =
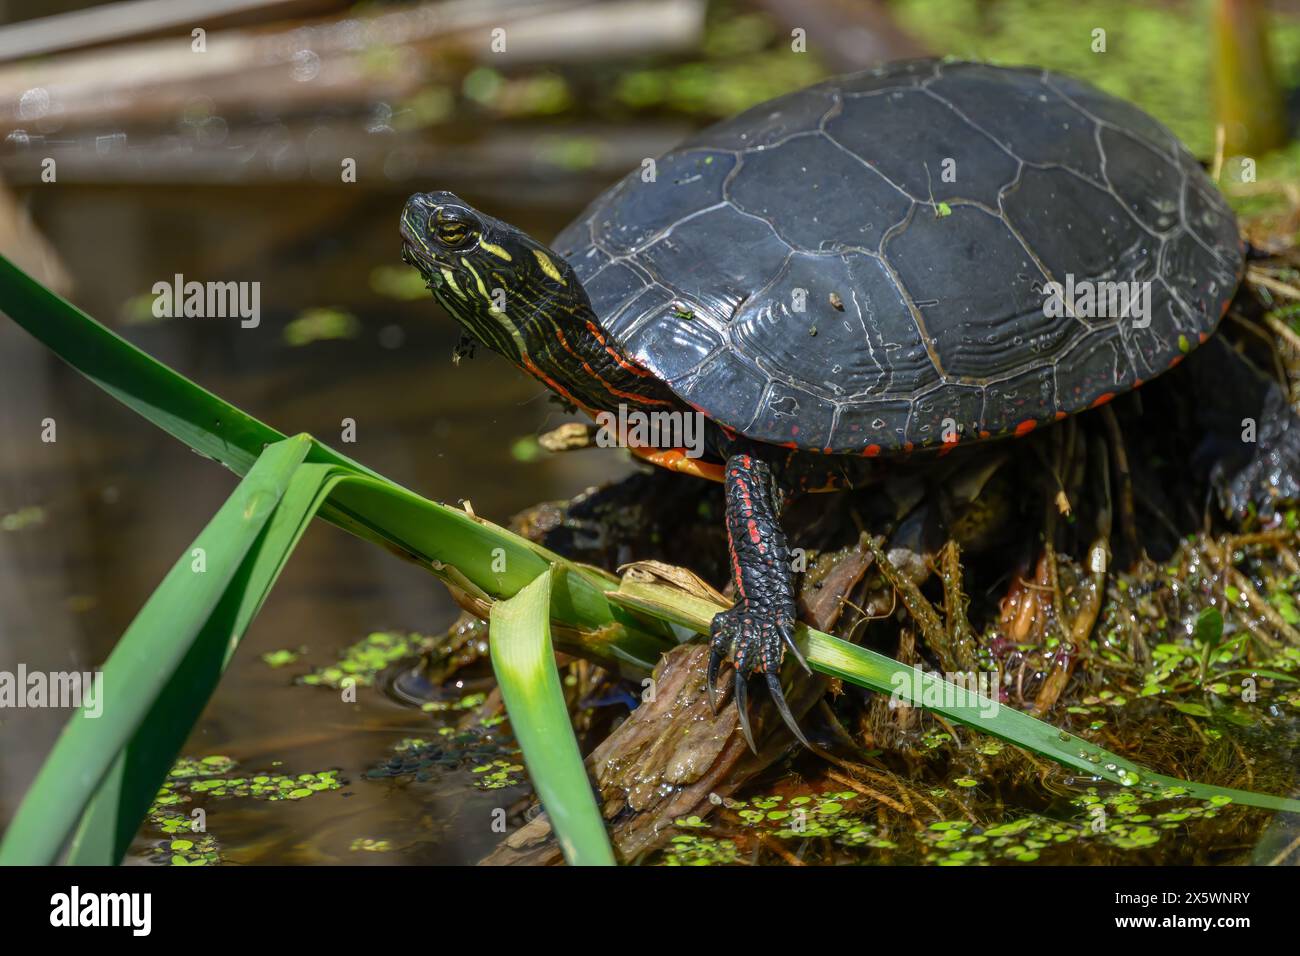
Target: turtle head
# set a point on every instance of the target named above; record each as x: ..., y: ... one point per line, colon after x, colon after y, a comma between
x: 496, y: 280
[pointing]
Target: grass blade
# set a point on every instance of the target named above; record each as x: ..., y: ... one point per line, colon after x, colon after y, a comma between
x: 876, y: 672
x: 122, y: 800
x: 381, y: 511
x: 161, y: 671
x: 530, y: 687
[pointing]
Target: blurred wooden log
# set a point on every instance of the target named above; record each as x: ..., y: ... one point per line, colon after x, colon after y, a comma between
x: 531, y: 163
x: 849, y: 35
x: 139, y: 19
x: 331, y: 63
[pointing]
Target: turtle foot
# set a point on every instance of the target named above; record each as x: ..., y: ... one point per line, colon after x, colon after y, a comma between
x: 755, y: 636
x: 1272, y: 474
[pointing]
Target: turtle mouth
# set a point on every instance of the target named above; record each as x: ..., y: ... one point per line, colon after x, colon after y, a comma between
x: 414, y: 251
x: 416, y: 257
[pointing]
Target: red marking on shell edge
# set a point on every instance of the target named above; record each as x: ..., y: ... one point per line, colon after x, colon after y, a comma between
x: 985, y: 434
x: 1137, y: 383
x: 1102, y: 399
x: 908, y: 446
x: 1025, y: 427
x: 947, y: 446
x: 1177, y: 359
x: 1060, y: 415
x: 1202, y: 336
x: 871, y: 451
x: 789, y: 444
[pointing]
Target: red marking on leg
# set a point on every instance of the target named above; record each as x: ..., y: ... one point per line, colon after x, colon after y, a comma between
x: 735, y: 569
x: 743, y: 489
x: 753, y: 531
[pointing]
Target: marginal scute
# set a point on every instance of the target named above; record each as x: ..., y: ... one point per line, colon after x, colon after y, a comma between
x: 807, y: 275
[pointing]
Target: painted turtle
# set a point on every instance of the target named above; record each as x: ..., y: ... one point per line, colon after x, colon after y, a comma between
x: 907, y: 259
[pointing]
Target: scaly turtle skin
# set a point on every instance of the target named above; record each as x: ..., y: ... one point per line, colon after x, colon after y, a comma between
x: 855, y: 271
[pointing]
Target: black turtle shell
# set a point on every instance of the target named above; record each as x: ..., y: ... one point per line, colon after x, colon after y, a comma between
x: 923, y: 208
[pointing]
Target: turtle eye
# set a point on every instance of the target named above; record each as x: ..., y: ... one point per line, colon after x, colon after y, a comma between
x: 452, y: 233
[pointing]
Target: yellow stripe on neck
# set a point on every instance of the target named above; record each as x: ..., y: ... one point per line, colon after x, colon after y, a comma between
x: 548, y: 266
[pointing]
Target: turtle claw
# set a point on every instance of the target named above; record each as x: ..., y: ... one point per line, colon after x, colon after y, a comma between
x: 778, y: 698
x: 742, y: 710
x: 787, y: 635
x: 757, y: 642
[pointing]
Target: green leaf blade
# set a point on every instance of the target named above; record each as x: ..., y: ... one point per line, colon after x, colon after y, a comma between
x: 530, y: 686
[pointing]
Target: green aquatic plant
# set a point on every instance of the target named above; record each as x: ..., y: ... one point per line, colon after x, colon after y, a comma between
x: 363, y: 661
x: 687, y: 849
x: 215, y: 777
x: 281, y: 658
x: 477, y: 750
x: 201, y: 850
x: 102, y: 776
x: 321, y: 325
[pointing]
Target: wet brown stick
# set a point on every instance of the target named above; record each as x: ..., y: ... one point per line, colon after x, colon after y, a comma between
x: 927, y: 619
x: 961, y: 636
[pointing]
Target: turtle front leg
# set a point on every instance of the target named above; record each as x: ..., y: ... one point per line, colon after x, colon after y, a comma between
x: 756, y: 631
